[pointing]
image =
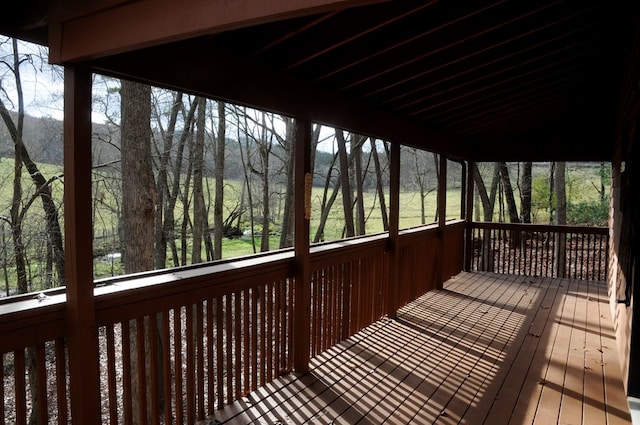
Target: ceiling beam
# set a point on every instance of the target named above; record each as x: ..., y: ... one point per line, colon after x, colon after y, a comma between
x: 211, y: 71
x: 127, y: 25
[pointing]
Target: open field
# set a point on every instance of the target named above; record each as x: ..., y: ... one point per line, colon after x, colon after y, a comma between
x: 582, y: 187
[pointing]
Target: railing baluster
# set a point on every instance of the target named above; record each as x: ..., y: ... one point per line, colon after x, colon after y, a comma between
x: 210, y: 359
x: 199, y: 347
x: 154, y: 367
x: 246, y: 338
x: 41, y: 384
x: 61, y: 381
x: 127, y: 390
x: 111, y: 373
x: 337, y: 311
x: 219, y: 352
x: 263, y: 340
x: 20, y: 386
x: 166, y: 367
x: 228, y: 329
x: 141, y: 369
x: 278, y: 326
x: 315, y: 304
x: 326, y: 310
x: 190, y: 381
x: 177, y: 350
x: 2, y: 399
x: 269, y: 334
x: 254, y: 338
x: 237, y: 321
x: 582, y: 258
x: 331, y: 300
x: 290, y: 293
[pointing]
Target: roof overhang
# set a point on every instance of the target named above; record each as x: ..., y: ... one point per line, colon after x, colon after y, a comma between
x: 489, y: 80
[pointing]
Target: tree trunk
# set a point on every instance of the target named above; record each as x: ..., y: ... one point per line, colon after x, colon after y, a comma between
x: 561, y: 217
x: 552, y: 185
x: 347, y: 203
x: 164, y: 215
x: 138, y: 201
x: 379, y: 185
x: 525, y: 192
x: 43, y: 188
x: 246, y: 165
x: 512, y: 209
x: 356, y: 145
x: 488, y: 205
x: 219, y: 177
x: 197, y: 159
x: 265, y: 152
x: 169, y: 222
x: 16, y: 222
x: 326, y: 204
x: 138, y: 186
x: 286, y: 235
x: 436, y: 164
x: 603, y: 179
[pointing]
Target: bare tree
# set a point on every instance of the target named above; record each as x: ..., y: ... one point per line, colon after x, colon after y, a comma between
x: 219, y: 184
x: 488, y: 199
x: 560, y: 189
x: 359, y: 176
x: 347, y: 203
x: 288, y: 143
x: 508, y: 192
x: 164, y: 221
x: 327, y: 201
x: 488, y: 205
x: 379, y: 185
x: 197, y: 164
x: 525, y: 192
x: 42, y: 185
x: 138, y: 192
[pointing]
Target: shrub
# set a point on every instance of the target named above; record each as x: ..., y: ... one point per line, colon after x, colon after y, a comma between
x: 592, y: 213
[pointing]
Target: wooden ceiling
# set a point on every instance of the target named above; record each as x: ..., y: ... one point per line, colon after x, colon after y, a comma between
x: 483, y: 80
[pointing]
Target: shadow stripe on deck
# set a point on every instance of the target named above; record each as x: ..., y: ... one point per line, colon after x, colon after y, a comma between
x: 486, y: 349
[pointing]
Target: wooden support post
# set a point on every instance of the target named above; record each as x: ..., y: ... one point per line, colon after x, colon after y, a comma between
x: 442, y: 220
x: 394, y: 219
x: 468, y: 239
x: 302, y: 209
x: 81, y: 324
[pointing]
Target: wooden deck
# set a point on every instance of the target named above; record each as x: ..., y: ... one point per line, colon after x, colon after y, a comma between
x: 487, y: 349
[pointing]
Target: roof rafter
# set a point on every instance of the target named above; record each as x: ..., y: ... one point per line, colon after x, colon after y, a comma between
x: 220, y: 75
x: 134, y: 24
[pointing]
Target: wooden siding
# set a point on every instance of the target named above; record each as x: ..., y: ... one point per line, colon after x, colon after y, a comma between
x: 488, y: 348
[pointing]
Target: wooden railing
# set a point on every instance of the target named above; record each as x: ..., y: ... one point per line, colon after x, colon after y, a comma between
x: 33, y: 359
x: 576, y: 252
x: 187, y: 341
x: 348, y: 289
x: 417, y: 275
x: 201, y: 338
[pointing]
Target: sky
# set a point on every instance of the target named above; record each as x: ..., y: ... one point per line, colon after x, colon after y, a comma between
x: 43, y: 88
x: 42, y: 83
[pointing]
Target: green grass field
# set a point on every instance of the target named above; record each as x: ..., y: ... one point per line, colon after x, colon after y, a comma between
x: 582, y: 183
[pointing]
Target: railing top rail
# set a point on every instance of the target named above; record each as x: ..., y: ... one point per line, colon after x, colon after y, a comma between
x: 527, y: 227
x: 347, y: 243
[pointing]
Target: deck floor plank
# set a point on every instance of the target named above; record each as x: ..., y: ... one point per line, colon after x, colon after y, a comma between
x: 573, y: 386
x: 488, y: 348
x: 557, y: 354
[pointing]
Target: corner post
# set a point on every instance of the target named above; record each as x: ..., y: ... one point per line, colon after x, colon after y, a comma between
x: 302, y: 210
x: 442, y: 220
x: 394, y: 219
x: 468, y: 211
x: 81, y: 320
